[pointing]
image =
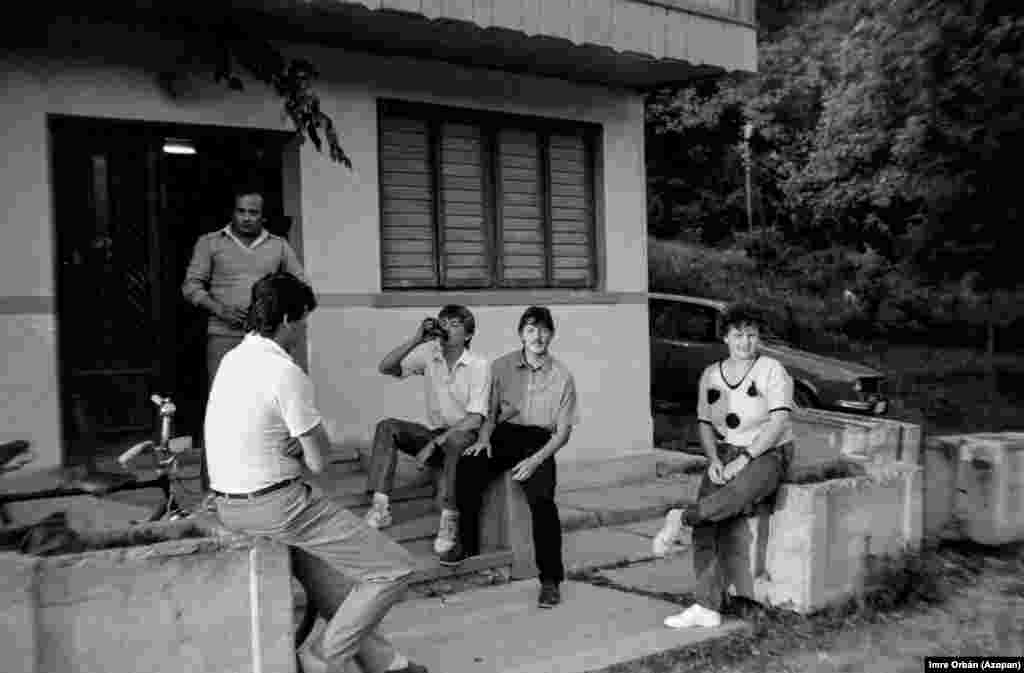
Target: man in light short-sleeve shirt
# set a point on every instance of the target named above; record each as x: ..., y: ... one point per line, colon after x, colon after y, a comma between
x: 262, y: 426
x: 457, y: 384
x: 532, y: 412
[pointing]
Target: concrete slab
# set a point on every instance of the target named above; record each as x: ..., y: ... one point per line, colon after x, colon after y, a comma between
x: 670, y: 575
x: 633, y: 468
x: 630, y: 502
x: 84, y: 512
x: 574, y: 519
x: 601, y: 547
x: 501, y: 628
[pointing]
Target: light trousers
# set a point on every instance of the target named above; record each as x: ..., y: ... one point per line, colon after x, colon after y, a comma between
x: 352, y: 573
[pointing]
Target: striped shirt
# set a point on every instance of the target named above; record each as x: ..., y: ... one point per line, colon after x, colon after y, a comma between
x: 225, y: 268
x: 542, y: 396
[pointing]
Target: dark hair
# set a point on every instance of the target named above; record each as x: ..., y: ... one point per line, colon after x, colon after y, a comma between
x: 741, y: 315
x: 277, y: 296
x: 461, y: 313
x: 537, y: 315
x: 247, y: 189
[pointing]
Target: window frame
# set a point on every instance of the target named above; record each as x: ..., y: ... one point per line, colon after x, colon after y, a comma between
x: 491, y: 123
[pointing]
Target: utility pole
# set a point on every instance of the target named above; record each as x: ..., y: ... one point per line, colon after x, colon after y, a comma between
x: 748, y: 132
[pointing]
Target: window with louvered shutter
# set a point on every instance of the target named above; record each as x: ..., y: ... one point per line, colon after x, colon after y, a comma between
x: 521, y: 199
x: 465, y: 253
x: 482, y: 200
x: 572, y: 212
x: 408, y: 242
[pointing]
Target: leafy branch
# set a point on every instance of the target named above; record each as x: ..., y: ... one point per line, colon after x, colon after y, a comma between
x: 230, y: 48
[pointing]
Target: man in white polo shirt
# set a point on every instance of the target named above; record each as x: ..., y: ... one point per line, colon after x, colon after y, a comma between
x: 262, y: 426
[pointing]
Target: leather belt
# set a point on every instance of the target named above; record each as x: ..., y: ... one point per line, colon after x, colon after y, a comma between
x: 263, y: 491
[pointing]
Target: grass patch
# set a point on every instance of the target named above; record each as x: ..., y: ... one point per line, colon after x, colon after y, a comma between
x: 905, y: 586
x: 837, y: 469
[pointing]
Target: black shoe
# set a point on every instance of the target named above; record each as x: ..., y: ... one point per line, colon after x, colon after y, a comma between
x: 550, y: 596
x: 453, y: 556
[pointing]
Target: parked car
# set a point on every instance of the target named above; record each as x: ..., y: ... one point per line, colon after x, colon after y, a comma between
x: 684, y: 340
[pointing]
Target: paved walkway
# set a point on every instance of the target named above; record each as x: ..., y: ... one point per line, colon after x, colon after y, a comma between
x: 501, y: 629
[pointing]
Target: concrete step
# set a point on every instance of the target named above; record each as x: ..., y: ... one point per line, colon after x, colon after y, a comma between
x: 500, y: 628
x: 349, y: 488
x: 626, y: 503
x: 612, y: 546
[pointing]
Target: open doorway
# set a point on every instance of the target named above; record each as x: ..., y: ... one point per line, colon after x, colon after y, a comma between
x: 131, y: 199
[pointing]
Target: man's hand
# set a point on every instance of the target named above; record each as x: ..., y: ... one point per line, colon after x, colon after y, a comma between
x: 427, y: 451
x: 423, y: 331
x: 482, y: 445
x: 232, y: 315
x: 507, y: 411
x: 525, y: 468
x: 735, y: 466
x: 716, y: 472
x: 293, y: 448
x: 17, y: 462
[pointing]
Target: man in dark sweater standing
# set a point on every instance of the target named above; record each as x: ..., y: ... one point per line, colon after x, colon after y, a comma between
x: 225, y: 265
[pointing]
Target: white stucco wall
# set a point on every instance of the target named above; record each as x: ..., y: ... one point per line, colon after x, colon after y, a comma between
x: 604, y: 343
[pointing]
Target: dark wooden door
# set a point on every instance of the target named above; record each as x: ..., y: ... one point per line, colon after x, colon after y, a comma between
x: 106, y: 207
x: 127, y: 218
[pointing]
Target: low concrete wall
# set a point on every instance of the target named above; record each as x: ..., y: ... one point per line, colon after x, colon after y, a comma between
x: 974, y: 487
x: 219, y: 603
x: 822, y: 438
x: 814, y: 549
x: 825, y: 436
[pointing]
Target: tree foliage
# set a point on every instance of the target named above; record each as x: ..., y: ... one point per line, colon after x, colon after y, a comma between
x: 230, y: 50
x: 885, y: 129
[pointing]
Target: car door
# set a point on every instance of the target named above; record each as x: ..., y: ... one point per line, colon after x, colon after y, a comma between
x: 684, y: 341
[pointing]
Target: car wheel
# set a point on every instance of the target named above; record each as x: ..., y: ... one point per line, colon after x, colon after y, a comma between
x: 803, y: 397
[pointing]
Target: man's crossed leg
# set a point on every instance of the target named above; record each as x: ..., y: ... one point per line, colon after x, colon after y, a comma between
x: 393, y: 435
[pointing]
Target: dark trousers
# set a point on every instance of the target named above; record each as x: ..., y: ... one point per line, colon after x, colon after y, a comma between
x: 393, y: 435
x: 511, y: 443
x: 717, y: 508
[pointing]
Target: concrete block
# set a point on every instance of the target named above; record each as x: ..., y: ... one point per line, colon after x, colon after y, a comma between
x: 505, y: 523
x: 975, y: 487
x: 19, y: 638
x: 824, y: 437
x: 941, y: 463
x: 193, y: 598
x: 85, y: 512
x: 815, y: 547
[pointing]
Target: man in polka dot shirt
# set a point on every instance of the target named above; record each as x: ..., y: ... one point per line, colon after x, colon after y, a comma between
x: 743, y: 412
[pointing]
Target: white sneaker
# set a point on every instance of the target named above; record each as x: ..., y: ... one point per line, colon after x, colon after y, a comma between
x: 379, y: 516
x: 669, y: 533
x: 447, y: 531
x: 695, y: 615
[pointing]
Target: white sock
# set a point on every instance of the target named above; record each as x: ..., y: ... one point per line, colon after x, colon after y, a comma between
x: 399, y: 662
x: 380, y: 498
x: 450, y: 513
